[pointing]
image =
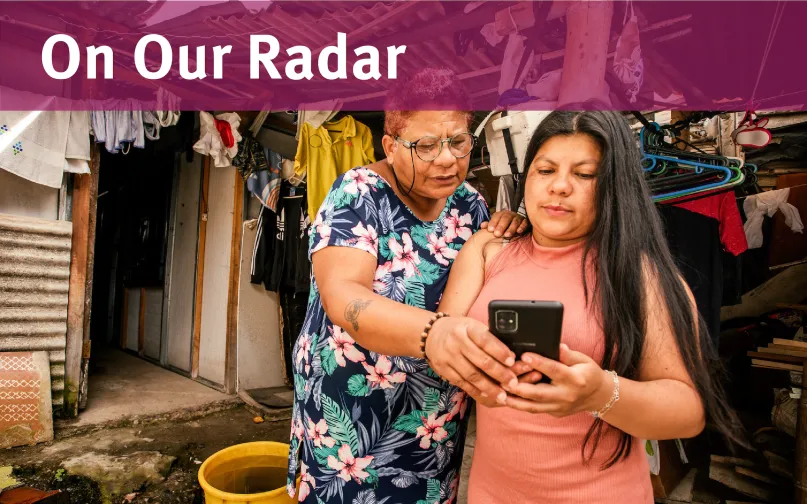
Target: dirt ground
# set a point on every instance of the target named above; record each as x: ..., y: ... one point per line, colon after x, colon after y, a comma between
x: 191, y: 442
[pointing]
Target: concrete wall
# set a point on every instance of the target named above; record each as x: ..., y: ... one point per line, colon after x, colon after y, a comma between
x: 132, y: 319
x: 153, y: 323
x: 212, y: 347
x: 27, y: 199
x: 259, y: 355
x: 183, y: 270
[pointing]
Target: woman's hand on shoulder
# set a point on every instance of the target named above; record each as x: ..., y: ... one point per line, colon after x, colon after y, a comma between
x: 578, y: 384
x: 505, y: 223
x: 462, y: 351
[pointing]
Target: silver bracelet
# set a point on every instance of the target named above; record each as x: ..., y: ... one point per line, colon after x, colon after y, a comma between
x: 612, y: 401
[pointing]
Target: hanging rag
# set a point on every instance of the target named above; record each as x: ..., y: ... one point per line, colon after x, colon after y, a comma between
x: 119, y: 128
x: 211, y: 143
x: 41, y: 146
x: 507, y: 193
x: 756, y: 207
x: 628, y: 62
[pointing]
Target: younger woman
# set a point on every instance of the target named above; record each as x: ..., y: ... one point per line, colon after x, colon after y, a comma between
x: 631, y: 362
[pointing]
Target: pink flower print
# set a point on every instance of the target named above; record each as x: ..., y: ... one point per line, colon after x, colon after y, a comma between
x: 298, y: 430
x: 359, y: 181
x: 456, y: 226
x: 343, y: 346
x: 460, y: 405
x: 307, y: 482
x: 380, y: 273
x: 366, y: 239
x: 440, y: 250
x: 405, y: 257
x: 324, y: 231
x: 453, y: 487
x: 379, y: 375
x: 304, y: 349
x: 348, y: 466
x: 432, y: 429
x: 317, y: 433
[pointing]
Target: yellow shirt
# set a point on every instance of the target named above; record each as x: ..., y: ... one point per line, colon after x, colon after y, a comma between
x: 329, y: 151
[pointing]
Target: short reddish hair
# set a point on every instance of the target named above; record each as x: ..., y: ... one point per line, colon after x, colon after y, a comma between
x: 429, y: 89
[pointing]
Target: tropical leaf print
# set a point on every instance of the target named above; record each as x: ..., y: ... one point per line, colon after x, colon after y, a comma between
x: 415, y: 292
x: 299, y: 386
x: 339, y: 425
x: 432, y: 402
x: 357, y: 386
x: 410, y: 423
x: 328, y: 360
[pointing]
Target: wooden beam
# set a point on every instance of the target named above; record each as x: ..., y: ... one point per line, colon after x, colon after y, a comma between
x: 76, y: 293
x: 775, y: 365
x: 790, y: 343
x: 231, y: 350
x: 124, y: 326
x: 95, y: 170
x: 800, y: 474
x: 200, y: 268
x: 141, y: 324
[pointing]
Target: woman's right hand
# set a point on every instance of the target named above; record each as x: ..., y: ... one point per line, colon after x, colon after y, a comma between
x: 462, y: 351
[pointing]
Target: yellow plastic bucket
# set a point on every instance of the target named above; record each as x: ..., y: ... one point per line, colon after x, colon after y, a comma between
x: 249, y: 473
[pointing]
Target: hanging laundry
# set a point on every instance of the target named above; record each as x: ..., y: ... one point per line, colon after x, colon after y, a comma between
x: 261, y: 168
x: 722, y: 207
x: 41, y: 146
x: 316, y: 114
x: 695, y: 243
x: 628, y: 61
x: 119, y: 128
x: 328, y: 151
x: 506, y: 196
x: 756, y: 207
x: 280, y: 257
x: 211, y: 143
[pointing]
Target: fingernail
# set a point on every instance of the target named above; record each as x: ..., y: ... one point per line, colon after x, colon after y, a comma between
x: 527, y: 359
x: 510, y: 361
x: 483, y: 394
x: 513, y: 383
x: 508, y: 235
x: 501, y: 398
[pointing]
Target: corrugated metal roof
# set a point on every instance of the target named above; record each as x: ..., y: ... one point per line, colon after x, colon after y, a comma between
x: 34, y: 282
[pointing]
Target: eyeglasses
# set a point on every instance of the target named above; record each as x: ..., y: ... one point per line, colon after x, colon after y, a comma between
x: 428, y: 148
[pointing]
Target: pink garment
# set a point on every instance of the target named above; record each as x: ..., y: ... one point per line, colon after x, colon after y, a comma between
x: 526, y: 458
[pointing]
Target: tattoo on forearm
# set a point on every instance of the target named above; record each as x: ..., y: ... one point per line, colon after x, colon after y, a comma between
x: 354, y: 308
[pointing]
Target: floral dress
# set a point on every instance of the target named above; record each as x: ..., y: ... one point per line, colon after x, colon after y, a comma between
x: 370, y: 428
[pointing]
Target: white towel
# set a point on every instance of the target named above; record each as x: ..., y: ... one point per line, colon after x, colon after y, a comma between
x: 756, y: 207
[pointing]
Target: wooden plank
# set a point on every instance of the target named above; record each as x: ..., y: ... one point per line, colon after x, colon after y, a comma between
x: 124, y: 327
x: 231, y: 351
x: 727, y: 476
x: 775, y: 365
x: 200, y: 268
x: 779, y: 465
x: 76, y: 293
x: 95, y: 170
x: 780, y: 354
x: 141, y: 324
x: 800, y: 474
x: 734, y: 461
x: 757, y: 476
x: 791, y: 343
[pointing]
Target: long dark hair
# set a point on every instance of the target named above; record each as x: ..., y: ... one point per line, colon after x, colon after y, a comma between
x: 627, y: 230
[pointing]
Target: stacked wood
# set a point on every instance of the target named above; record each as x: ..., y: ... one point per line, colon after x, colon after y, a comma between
x: 748, y: 477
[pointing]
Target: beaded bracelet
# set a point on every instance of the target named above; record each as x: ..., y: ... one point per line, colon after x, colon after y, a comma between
x: 425, y: 334
x: 612, y: 401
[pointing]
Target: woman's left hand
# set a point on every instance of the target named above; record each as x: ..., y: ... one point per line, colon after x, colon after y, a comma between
x: 505, y: 223
x: 578, y: 384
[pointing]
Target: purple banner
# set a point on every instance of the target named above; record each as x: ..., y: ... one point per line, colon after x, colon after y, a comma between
x: 165, y: 55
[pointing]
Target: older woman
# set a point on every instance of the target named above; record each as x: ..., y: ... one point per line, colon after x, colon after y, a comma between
x: 372, y: 420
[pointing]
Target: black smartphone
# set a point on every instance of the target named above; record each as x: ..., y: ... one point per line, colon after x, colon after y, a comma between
x: 528, y: 326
